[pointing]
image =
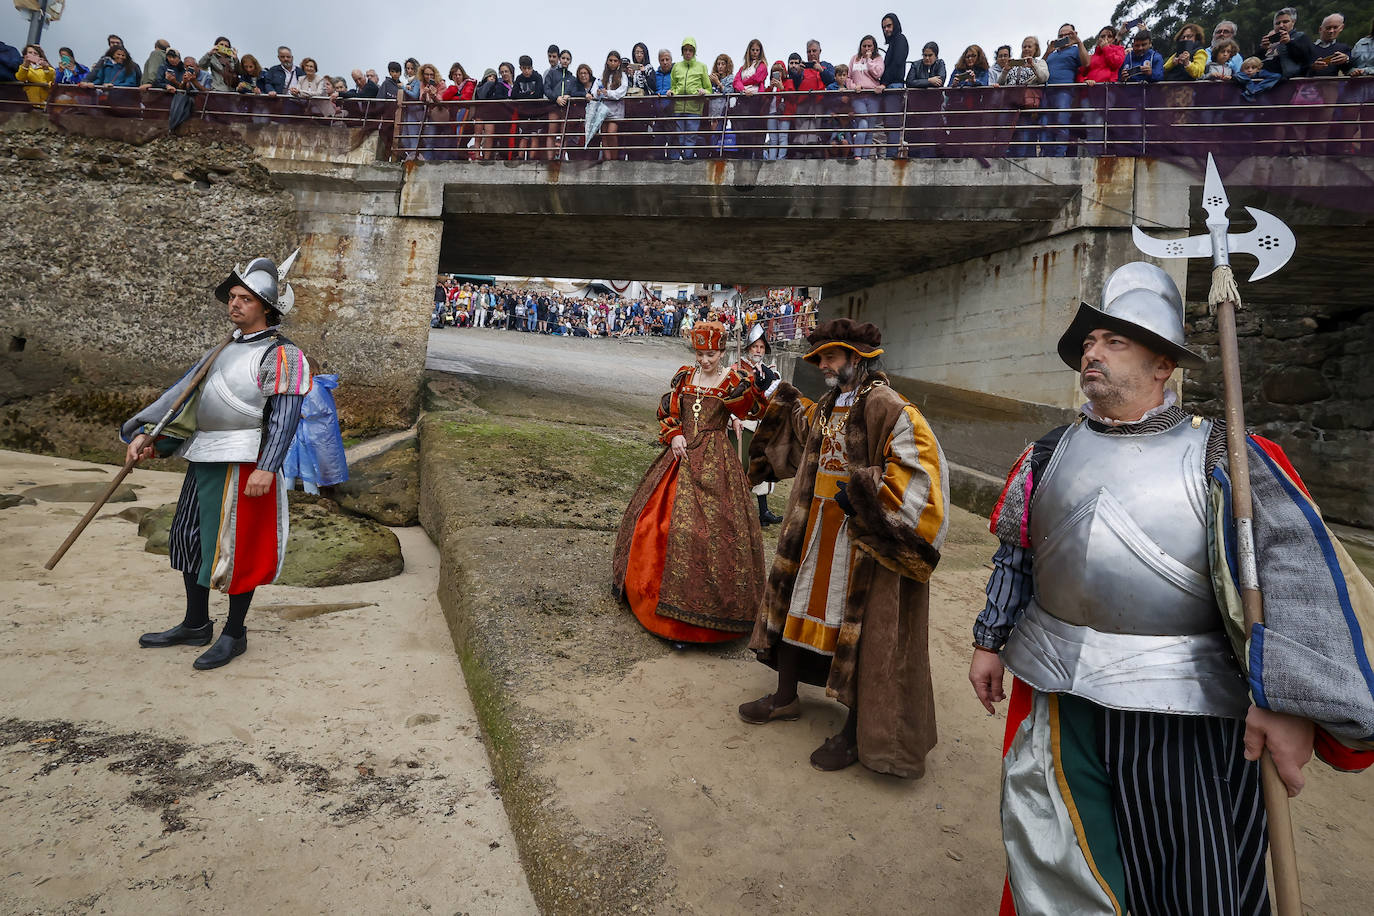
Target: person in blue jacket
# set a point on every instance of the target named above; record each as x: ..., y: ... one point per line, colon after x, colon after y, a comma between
x: 1143, y: 64
x: 116, y: 70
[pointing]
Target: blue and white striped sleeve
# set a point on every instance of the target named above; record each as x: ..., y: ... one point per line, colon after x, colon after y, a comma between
x: 1009, y: 591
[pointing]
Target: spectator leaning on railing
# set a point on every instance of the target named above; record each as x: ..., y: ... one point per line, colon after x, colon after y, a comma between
x: 1224, y: 31
x: 1332, y: 55
x: 1189, y: 60
x: 223, y: 63
x: 390, y: 87
x: 69, y: 72
x: 283, y: 76
x: 894, y: 77
x: 1104, y: 63
x: 866, y: 80
x: 1285, y: 52
x: 116, y: 70
x: 168, y: 76
x: 689, y: 79
x: 252, y: 79
x: 1143, y: 64
x: 36, y: 74
x: 156, y: 59
x: 1362, y: 55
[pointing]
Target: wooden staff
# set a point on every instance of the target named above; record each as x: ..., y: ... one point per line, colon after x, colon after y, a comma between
x: 129, y: 462
x: 1283, y: 855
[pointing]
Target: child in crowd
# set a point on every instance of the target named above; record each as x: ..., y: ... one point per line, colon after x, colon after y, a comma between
x: 1220, y: 67
x: 840, y: 146
x: 780, y: 112
x: 1250, y: 68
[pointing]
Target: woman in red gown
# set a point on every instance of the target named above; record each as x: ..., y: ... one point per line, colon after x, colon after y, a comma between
x: 689, y: 555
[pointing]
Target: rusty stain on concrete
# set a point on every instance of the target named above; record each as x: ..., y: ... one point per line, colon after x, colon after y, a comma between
x: 715, y: 171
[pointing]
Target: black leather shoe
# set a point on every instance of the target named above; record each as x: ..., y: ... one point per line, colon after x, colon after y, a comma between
x: 221, y: 653
x: 179, y: 635
x: 766, y: 518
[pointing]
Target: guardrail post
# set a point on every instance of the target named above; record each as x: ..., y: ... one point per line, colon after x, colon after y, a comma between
x: 396, y: 125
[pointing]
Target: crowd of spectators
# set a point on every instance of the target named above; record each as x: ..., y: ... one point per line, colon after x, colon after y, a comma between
x: 753, y: 110
x: 785, y: 315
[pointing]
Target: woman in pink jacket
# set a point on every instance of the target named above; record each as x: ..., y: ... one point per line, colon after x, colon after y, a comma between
x: 866, y: 76
x: 751, y: 108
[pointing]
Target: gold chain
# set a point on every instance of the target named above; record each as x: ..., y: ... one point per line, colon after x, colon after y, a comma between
x: 696, y: 414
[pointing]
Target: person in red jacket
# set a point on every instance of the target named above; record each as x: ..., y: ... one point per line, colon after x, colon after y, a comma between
x: 801, y: 78
x: 1104, y: 65
x: 459, y: 89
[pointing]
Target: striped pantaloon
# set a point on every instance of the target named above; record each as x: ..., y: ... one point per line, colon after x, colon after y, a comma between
x: 1105, y: 811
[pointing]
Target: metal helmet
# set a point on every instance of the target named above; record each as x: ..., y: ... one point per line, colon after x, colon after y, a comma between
x: 1141, y: 302
x: 264, y: 279
x: 756, y: 333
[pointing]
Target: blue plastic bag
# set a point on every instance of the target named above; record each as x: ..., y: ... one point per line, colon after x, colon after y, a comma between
x: 316, y: 455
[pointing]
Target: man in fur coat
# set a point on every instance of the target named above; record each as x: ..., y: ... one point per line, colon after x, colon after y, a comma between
x: 847, y: 600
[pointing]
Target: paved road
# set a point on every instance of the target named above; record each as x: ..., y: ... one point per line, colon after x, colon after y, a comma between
x: 642, y: 366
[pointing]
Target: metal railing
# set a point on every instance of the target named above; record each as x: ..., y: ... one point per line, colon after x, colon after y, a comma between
x: 225, y: 108
x: 1298, y: 117
x: 1309, y: 117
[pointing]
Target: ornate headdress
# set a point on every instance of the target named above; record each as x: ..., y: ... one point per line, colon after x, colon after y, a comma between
x: 863, y: 339
x: 265, y: 280
x: 708, y: 335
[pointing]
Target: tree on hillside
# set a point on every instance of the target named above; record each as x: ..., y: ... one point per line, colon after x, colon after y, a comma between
x: 1253, y: 18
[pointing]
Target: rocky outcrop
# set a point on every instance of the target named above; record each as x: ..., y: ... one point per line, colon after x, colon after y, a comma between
x: 385, y: 487
x: 325, y: 547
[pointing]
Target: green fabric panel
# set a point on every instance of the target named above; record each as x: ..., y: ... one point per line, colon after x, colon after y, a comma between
x: 210, y: 477
x: 1087, y: 779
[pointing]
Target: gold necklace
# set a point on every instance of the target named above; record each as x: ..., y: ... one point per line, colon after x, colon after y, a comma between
x: 696, y: 414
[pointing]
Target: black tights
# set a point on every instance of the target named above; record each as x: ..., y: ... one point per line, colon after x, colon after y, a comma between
x: 788, y: 658
x: 198, y: 607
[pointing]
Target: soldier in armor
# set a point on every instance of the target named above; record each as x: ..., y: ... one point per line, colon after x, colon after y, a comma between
x: 230, y: 527
x: 755, y: 352
x: 1129, y: 781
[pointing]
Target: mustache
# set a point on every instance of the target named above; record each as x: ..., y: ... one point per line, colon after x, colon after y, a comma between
x: 1097, y: 367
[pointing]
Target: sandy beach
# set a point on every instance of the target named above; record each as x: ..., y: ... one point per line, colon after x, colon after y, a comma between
x: 337, y: 767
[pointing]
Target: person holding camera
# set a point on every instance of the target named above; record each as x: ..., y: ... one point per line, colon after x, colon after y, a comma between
x: 1065, y: 58
x: 37, y: 75
x: 1285, y: 53
x: 223, y: 63
x: 1144, y: 64
x: 1189, y: 60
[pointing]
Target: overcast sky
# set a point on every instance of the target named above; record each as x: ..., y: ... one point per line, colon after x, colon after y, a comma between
x: 341, y: 36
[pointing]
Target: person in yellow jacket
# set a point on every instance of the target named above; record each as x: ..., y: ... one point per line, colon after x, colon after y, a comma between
x: 689, y: 78
x: 36, y: 74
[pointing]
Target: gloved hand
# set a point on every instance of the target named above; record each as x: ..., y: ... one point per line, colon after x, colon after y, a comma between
x: 765, y: 376
x: 842, y: 498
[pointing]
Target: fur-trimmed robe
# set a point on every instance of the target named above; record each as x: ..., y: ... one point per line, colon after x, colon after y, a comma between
x: 881, y: 664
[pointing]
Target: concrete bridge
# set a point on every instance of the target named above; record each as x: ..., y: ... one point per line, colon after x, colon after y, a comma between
x: 971, y: 266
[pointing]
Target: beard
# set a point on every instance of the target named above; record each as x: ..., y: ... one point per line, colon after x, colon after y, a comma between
x: 1104, y: 391
x: 844, y: 376
x: 754, y: 358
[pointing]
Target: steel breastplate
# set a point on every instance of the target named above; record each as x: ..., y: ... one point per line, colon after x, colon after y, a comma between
x: 1124, y: 613
x: 230, y: 409
x: 1119, y: 532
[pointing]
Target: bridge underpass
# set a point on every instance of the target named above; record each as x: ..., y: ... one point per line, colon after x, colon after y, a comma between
x: 972, y: 268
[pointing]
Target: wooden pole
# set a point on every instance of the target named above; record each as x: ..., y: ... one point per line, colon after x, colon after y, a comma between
x: 1283, y: 857
x: 130, y: 462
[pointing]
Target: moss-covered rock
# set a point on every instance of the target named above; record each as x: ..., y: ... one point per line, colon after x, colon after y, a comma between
x: 386, y: 486
x: 325, y: 546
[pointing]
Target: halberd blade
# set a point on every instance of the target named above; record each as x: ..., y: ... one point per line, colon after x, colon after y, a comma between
x: 1271, y: 241
x: 1214, y: 199
x: 1198, y: 246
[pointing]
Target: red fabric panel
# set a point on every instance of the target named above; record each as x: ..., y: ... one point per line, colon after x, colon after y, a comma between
x: 644, y: 568
x: 1338, y: 756
x: 255, y: 537
x: 1273, y: 451
x: 1017, y: 709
